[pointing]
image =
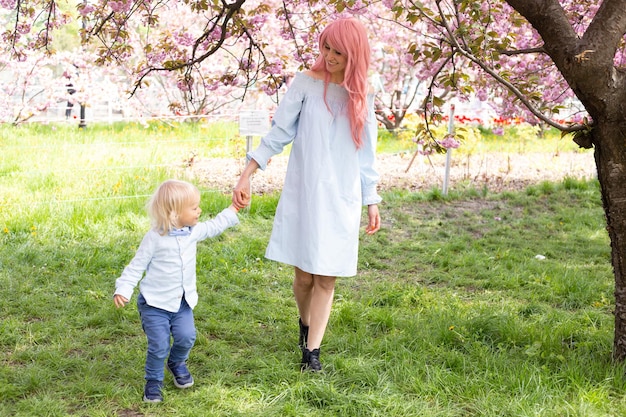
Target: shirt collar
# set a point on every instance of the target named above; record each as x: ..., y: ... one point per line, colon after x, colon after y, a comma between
x: 185, y: 231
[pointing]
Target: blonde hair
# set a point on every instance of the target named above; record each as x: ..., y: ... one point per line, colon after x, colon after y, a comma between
x: 168, y: 201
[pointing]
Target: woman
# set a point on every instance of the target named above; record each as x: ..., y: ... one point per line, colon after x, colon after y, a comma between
x: 328, y: 116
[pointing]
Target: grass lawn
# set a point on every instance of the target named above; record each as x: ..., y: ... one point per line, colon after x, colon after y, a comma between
x: 471, y: 304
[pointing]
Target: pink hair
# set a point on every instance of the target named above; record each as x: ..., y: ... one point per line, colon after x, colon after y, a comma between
x: 349, y: 37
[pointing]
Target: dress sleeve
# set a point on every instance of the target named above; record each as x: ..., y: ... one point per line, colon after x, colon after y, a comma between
x: 367, y: 158
x: 284, y: 125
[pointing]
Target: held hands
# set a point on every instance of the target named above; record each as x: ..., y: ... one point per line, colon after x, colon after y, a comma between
x: 373, y: 215
x: 241, y: 193
x: 119, y: 301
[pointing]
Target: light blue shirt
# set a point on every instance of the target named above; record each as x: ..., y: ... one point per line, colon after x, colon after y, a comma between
x: 169, y: 263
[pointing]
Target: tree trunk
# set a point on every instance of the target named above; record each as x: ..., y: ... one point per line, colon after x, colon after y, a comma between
x: 610, y: 156
x: 587, y: 64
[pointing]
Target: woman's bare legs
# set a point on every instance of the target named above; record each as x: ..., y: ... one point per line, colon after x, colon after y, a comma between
x: 302, y: 291
x: 314, y: 297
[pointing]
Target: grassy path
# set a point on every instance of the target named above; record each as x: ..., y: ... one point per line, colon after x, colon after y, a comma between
x: 473, y: 304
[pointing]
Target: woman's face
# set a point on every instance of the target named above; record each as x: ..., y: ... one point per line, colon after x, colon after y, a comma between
x: 335, y: 63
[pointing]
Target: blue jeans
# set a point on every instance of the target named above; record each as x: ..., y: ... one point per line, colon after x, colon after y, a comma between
x: 159, y: 325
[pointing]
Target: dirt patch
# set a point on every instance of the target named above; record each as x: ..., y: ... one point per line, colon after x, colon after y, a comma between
x: 494, y: 172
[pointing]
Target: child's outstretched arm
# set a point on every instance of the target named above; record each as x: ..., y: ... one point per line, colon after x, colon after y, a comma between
x: 211, y: 228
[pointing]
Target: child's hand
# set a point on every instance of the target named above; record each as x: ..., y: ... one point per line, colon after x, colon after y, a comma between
x: 119, y: 300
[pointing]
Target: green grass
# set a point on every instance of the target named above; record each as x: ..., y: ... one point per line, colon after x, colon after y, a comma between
x: 452, y: 314
x: 518, y: 139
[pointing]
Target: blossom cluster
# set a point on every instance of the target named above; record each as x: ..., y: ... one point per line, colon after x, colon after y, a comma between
x: 199, y: 56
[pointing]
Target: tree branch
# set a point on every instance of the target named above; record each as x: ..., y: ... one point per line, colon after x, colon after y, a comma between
x: 512, y: 88
x: 607, y: 29
x: 582, y: 59
x: 232, y: 9
x: 537, y: 50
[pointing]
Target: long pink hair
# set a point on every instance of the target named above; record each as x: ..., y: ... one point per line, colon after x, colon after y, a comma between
x: 349, y: 37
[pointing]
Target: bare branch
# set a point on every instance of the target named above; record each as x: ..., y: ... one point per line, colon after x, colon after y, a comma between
x: 537, y: 50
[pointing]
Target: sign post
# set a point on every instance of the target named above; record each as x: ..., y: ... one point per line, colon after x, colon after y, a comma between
x: 253, y: 123
x: 446, y: 178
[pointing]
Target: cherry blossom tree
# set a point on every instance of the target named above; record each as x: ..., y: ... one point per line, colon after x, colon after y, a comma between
x: 531, y: 57
x: 578, y: 50
x: 163, y: 49
x: 592, y: 63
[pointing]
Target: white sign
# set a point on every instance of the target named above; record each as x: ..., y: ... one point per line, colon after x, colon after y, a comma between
x: 254, y: 123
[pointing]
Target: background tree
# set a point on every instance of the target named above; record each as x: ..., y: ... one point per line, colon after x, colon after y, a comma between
x: 593, y: 67
x: 585, y: 42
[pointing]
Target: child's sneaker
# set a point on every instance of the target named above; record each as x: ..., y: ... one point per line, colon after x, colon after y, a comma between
x: 152, y: 392
x: 182, y: 376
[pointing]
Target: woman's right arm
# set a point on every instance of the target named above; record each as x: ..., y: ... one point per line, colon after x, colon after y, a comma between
x: 282, y: 132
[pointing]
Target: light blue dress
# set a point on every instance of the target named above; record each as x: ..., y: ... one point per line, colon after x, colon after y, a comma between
x: 317, y: 221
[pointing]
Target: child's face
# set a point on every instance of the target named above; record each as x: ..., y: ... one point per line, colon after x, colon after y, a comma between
x: 190, y: 213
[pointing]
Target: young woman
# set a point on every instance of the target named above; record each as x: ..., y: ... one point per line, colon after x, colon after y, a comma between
x: 328, y: 116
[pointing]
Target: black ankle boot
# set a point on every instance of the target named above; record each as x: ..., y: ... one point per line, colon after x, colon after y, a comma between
x: 304, y: 335
x: 305, y: 359
x: 311, y: 360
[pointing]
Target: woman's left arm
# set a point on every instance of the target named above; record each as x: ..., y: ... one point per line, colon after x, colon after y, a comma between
x: 369, y: 175
x: 367, y: 158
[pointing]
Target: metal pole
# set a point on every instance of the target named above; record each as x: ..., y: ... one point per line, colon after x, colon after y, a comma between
x: 248, y: 149
x: 82, y: 122
x: 446, y: 177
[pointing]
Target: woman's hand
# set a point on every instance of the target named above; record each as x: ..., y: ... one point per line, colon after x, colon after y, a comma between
x: 241, y: 193
x: 373, y: 215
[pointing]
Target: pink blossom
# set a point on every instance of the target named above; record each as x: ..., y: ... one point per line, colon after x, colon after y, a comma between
x: 184, y: 85
x: 498, y: 130
x: 449, y: 142
x: 184, y: 38
x: 274, y: 68
x: 119, y: 6
x: 215, y: 34
x: 23, y: 28
x: 86, y: 9
x: 269, y: 89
